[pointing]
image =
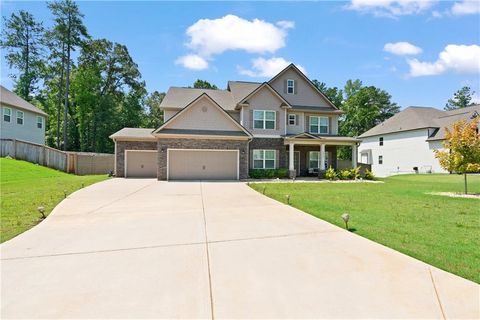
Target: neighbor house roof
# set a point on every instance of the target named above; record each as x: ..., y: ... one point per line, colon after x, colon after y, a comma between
x: 134, y: 133
x: 9, y: 98
x: 413, y: 118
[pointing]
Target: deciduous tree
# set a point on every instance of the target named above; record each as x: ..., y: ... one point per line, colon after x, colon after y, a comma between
x: 461, y: 152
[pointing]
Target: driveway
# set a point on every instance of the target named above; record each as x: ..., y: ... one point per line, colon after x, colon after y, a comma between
x: 127, y: 248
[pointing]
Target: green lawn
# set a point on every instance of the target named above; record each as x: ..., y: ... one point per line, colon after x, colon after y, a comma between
x: 439, y: 230
x: 25, y: 186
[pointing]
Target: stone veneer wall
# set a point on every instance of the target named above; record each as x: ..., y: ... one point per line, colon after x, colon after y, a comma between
x: 169, y: 143
x: 270, y: 144
x: 130, y: 145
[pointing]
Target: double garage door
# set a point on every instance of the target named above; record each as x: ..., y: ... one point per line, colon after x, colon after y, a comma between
x: 184, y: 164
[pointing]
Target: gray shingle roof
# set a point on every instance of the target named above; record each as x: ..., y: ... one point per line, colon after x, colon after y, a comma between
x: 422, y: 117
x: 127, y: 133
x: 241, y: 89
x: 178, y: 98
x: 10, y: 98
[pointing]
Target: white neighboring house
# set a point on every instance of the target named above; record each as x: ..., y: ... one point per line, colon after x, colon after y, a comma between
x: 21, y: 119
x: 405, y: 143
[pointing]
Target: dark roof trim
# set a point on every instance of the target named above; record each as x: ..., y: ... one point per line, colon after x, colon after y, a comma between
x: 291, y: 65
x: 203, y: 95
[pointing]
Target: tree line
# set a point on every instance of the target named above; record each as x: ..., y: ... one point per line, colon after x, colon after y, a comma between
x: 87, y: 97
x: 100, y: 90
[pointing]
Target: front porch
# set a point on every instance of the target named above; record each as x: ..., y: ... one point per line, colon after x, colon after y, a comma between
x: 311, y: 155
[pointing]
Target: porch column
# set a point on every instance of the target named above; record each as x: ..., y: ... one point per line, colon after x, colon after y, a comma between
x: 291, y: 165
x: 322, y: 157
x: 354, y: 156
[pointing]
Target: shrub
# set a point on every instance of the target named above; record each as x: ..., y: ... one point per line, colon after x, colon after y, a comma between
x: 355, y: 173
x: 369, y: 175
x: 344, y: 174
x: 330, y: 174
x: 268, y: 173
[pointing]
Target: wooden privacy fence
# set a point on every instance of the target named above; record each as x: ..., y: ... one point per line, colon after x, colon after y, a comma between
x: 80, y: 163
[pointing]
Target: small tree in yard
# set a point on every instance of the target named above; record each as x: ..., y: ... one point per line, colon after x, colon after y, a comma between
x: 462, y: 149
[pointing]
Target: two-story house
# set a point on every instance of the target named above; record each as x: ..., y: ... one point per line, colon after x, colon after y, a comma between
x: 20, y: 119
x: 222, y: 134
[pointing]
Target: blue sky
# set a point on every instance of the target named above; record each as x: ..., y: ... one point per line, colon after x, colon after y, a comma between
x: 433, y: 47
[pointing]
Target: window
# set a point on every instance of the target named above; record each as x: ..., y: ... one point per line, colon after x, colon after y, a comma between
x: 292, y: 119
x: 380, y: 159
x: 7, y: 114
x: 319, y: 125
x: 290, y: 86
x: 264, y: 119
x: 314, y: 160
x: 380, y: 141
x: 264, y: 159
x: 39, y: 122
x: 20, y: 117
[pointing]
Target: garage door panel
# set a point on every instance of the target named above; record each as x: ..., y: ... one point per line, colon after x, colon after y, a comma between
x: 203, y: 165
x: 141, y: 164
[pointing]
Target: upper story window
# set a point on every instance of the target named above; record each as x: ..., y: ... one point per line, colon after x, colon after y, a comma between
x: 290, y: 86
x: 263, y: 119
x: 39, y: 122
x: 319, y: 125
x: 380, y: 141
x: 7, y: 114
x: 380, y: 159
x: 264, y: 159
x: 20, y: 116
x: 292, y: 119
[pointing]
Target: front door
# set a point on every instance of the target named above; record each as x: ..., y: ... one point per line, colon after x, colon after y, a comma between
x: 296, y: 161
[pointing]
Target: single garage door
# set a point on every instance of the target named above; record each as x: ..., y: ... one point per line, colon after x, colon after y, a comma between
x: 141, y: 163
x: 202, y: 164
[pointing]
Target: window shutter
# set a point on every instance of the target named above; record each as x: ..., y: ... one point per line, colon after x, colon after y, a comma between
x: 307, y: 123
x: 277, y: 159
x: 277, y: 120
x: 295, y: 84
x: 250, y: 120
x: 285, y: 86
x: 329, y: 125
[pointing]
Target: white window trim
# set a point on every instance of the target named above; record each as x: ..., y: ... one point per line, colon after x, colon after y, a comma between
x: 17, y: 117
x: 294, y: 119
x: 265, y: 159
x: 380, y: 156
x: 41, y: 122
x: 292, y: 86
x: 381, y: 141
x: 10, y: 115
x: 264, y: 123
x: 319, y: 117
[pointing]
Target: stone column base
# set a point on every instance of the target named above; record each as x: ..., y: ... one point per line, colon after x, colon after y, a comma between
x: 292, y: 174
x: 321, y: 174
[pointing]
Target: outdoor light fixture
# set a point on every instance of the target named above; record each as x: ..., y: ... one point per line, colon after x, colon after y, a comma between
x: 345, y: 218
x: 42, y: 211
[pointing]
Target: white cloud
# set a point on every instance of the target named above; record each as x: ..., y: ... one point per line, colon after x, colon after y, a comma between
x: 466, y: 7
x: 455, y: 58
x: 285, y: 24
x: 390, y: 8
x: 193, y: 62
x: 211, y: 37
x: 262, y: 67
x: 402, y: 48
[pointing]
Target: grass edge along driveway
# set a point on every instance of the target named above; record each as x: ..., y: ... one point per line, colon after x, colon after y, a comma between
x: 400, y: 214
x: 25, y: 186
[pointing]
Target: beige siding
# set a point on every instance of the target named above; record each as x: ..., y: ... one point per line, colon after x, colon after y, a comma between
x: 235, y: 115
x: 202, y: 165
x: 305, y: 95
x: 167, y: 114
x: 300, y: 126
x: 265, y: 100
x: 203, y: 115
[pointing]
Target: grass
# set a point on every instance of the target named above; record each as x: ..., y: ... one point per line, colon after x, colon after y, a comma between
x: 25, y: 186
x: 398, y: 213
